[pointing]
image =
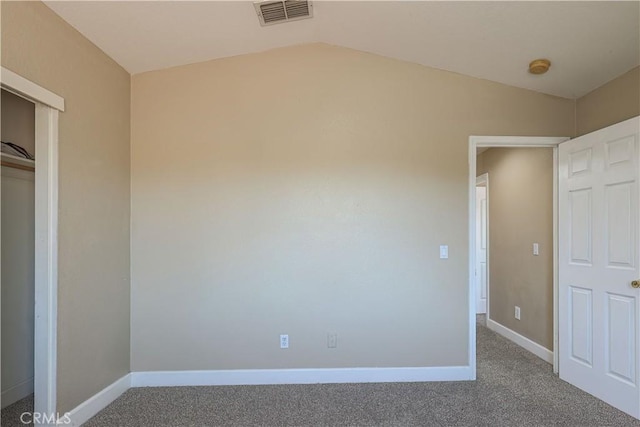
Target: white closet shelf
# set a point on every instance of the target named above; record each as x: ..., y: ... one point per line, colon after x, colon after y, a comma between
x: 8, y: 160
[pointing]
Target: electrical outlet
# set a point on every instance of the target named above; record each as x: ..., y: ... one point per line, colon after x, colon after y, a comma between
x: 284, y: 341
x: 517, y: 312
x: 332, y: 340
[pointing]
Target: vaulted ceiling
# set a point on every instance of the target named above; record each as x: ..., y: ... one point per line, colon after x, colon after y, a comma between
x: 588, y: 43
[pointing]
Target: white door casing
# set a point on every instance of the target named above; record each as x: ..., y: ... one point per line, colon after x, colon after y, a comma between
x: 476, y: 142
x: 598, y: 259
x: 48, y: 106
x: 481, y: 244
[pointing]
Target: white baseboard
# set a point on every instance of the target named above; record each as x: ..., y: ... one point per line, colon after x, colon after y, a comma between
x: 524, y: 342
x: 299, y: 376
x: 96, y: 403
x: 481, y: 307
x: 17, y: 392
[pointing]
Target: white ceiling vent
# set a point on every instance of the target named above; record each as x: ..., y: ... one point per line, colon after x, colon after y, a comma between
x: 274, y: 12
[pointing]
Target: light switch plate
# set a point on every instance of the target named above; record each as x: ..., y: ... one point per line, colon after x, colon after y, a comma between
x: 536, y: 249
x: 444, y: 251
x: 332, y: 340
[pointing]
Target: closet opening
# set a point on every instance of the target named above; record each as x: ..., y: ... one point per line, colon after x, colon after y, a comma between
x: 44, y: 108
x: 17, y: 256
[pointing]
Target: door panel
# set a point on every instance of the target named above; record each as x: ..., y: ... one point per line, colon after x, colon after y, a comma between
x: 581, y: 330
x: 619, y: 151
x: 598, y: 259
x: 620, y: 355
x: 580, y: 212
x: 481, y: 249
x: 580, y: 162
x: 619, y: 201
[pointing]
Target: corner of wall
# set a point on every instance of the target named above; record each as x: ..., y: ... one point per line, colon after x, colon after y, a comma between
x: 575, y: 118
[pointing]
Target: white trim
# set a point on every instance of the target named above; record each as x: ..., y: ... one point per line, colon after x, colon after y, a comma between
x: 20, y: 86
x: 505, y: 141
x: 299, y: 376
x: 524, y: 342
x: 96, y: 403
x: 556, y: 271
x: 471, y: 217
x: 17, y: 392
x: 516, y: 141
x: 46, y: 259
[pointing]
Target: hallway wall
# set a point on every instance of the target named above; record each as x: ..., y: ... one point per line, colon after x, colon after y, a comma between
x: 520, y: 214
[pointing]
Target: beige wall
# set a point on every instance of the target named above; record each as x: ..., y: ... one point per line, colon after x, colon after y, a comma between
x: 19, y: 121
x: 93, y: 293
x: 521, y: 214
x: 611, y: 103
x: 306, y: 190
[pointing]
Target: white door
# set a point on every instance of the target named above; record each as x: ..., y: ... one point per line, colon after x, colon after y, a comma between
x: 481, y: 245
x: 598, y: 261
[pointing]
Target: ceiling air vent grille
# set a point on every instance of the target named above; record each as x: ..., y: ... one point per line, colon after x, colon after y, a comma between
x: 274, y: 12
x: 296, y: 9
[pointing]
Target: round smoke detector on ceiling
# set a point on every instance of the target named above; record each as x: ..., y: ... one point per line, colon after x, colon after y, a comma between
x: 539, y: 66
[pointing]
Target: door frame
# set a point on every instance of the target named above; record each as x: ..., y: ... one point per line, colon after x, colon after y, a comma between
x: 483, y: 180
x: 513, y: 142
x: 47, y: 107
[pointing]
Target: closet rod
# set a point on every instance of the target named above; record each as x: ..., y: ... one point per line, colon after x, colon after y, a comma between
x: 15, y: 166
